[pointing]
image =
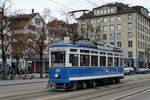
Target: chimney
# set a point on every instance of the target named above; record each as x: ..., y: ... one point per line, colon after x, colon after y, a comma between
x: 32, y: 11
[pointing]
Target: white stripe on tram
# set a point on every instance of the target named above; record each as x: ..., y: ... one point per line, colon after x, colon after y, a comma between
x: 94, y: 77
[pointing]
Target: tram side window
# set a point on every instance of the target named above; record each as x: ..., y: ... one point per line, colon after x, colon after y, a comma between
x: 116, y: 61
x: 73, y: 59
x: 102, y: 61
x: 58, y: 58
x: 84, y: 60
x: 110, y: 61
x: 94, y: 60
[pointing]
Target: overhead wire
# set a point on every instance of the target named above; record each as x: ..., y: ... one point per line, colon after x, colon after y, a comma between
x: 62, y: 5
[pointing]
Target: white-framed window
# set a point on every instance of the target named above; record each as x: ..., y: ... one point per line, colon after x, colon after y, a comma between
x: 130, y: 44
x: 105, y: 20
x: 102, y: 11
x: 119, y: 44
x: 112, y: 19
x: 119, y: 18
x: 105, y: 11
x: 118, y: 26
x: 129, y: 17
x: 98, y: 20
x: 98, y: 12
x: 130, y: 34
x: 104, y: 28
x: 112, y: 10
x: 129, y: 26
x: 111, y: 36
x: 118, y: 35
x: 37, y: 21
x: 130, y: 54
x: 109, y: 10
x: 112, y: 27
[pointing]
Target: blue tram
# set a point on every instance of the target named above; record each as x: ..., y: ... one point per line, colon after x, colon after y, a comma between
x: 81, y: 65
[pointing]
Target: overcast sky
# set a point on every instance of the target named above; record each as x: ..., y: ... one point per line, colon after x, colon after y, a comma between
x: 57, y: 7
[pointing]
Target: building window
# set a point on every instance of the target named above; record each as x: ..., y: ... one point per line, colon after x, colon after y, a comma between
x: 98, y: 20
x: 112, y: 19
x: 139, y: 44
x: 108, y: 10
x: 104, y: 28
x: 118, y: 18
x: 129, y: 44
x: 130, y: 54
x: 129, y: 17
x: 97, y: 29
x: 119, y: 27
x: 105, y: 20
x: 105, y: 36
x: 129, y: 34
x: 98, y: 12
x: 105, y: 11
x: 111, y: 43
x: 112, y: 10
x: 102, y: 11
x: 37, y: 21
x: 112, y: 27
x: 129, y: 26
x: 92, y: 21
x: 119, y: 44
x: 139, y: 35
x: 118, y: 35
x: 111, y: 36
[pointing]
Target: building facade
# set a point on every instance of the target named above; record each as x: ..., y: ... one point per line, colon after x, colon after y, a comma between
x: 27, y: 27
x: 122, y: 25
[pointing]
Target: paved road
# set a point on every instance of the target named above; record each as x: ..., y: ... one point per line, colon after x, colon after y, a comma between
x: 18, y: 87
x: 136, y: 87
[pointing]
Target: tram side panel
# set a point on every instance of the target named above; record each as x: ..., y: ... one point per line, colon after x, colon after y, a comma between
x: 70, y: 74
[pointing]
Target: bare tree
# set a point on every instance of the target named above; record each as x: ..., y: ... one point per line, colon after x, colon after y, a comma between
x: 5, y: 34
x: 38, y: 39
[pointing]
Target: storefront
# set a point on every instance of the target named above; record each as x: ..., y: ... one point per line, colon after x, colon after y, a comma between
x: 34, y: 64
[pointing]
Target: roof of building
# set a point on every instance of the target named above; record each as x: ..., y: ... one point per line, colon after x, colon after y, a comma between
x: 57, y: 26
x: 121, y: 9
x: 20, y: 21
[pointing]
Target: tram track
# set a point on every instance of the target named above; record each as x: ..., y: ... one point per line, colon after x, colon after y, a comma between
x: 100, y: 92
x: 95, y: 93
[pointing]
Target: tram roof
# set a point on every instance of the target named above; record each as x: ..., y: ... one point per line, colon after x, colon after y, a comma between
x: 97, y: 46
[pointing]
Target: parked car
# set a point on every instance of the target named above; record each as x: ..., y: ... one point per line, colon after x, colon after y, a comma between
x: 142, y: 70
x: 129, y: 71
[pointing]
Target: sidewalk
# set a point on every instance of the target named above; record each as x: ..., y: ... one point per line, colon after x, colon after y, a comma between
x: 20, y: 81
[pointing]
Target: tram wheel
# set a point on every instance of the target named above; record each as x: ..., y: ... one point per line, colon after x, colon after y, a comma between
x: 74, y: 86
x: 84, y: 85
x: 94, y: 84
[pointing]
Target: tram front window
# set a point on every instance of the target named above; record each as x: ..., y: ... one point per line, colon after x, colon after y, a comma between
x: 58, y: 58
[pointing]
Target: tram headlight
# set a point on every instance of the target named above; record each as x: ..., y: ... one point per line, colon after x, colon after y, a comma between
x: 56, y: 75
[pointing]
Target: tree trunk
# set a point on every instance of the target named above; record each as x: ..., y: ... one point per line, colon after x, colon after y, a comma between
x: 4, y: 64
x: 41, y: 64
x: 17, y: 59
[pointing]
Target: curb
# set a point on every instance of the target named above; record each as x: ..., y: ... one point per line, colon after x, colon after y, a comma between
x: 21, y: 83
